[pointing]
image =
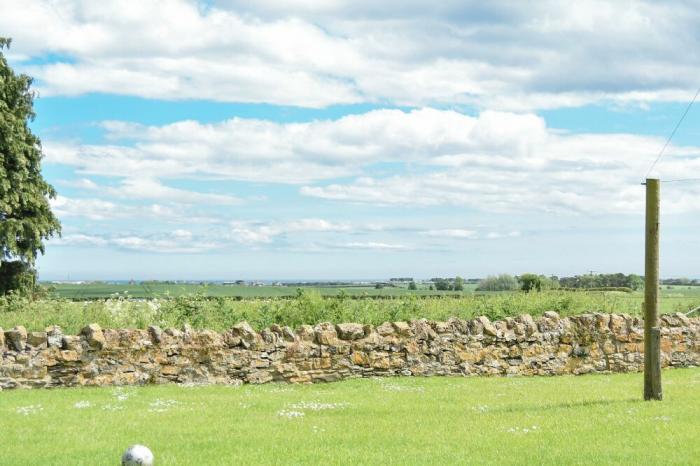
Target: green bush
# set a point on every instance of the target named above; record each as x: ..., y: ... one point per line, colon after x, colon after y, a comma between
x: 307, y: 307
x: 502, y: 282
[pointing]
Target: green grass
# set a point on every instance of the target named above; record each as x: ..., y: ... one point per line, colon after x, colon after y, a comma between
x: 596, y: 419
x: 311, y: 307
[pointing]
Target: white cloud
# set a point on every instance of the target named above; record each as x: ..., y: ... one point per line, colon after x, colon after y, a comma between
x: 497, y: 161
x: 374, y: 245
x: 99, y: 209
x: 248, y: 232
x: 498, y: 235
x: 451, y: 233
x: 177, y: 242
x: 79, y: 239
x: 148, y: 188
x: 497, y: 54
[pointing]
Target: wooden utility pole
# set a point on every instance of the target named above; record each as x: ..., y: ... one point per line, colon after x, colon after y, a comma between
x: 652, y: 333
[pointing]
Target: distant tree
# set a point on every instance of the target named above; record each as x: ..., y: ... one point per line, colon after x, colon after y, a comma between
x: 549, y: 283
x: 378, y: 286
x: 441, y: 284
x: 530, y: 282
x: 502, y: 282
x: 26, y: 219
x: 613, y: 280
x: 412, y: 286
x: 635, y: 282
x: 459, y: 284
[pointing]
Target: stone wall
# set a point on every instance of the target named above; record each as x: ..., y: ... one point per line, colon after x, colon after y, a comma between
x: 549, y: 345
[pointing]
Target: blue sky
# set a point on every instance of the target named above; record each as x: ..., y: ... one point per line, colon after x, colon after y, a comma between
x: 293, y: 140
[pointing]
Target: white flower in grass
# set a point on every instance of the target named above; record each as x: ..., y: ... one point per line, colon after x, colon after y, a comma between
x: 30, y: 409
x: 401, y: 388
x: 112, y: 407
x: 317, y: 406
x: 481, y: 408
x: 522, y: 430
x: 160, y: 406
x: 122, y: 394
x: 289, y: 414
x: 82, y: 405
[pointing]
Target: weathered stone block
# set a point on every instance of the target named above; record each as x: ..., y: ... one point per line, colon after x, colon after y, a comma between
x: 156, y: 334
x: 259, y: 377
x: 325, y: 334
x: 288, y: 334
x: 403, y: 329
x: 94, y: 336
x: 269, y: 337
x: 385, y: 329
x: 54, y: 336
x: 249, y: 337
x: 360, y: 358
x: 170, y: 370
x: 422, y: 330
x: 487, y: 327
x: 350, y: 331
x: 37, y: 339
x: 71, y: 342
x: 16, y: 338
x: 305, y: 333
x: 529, y: 324
x: 69, y: 356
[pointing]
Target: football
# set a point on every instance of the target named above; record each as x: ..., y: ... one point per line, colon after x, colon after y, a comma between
x: 137, y: 455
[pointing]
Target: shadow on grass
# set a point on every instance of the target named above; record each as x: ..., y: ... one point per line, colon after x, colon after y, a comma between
x: 565, y: 405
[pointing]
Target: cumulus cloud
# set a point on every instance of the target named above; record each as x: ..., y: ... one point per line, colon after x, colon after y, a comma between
x: 497, y: 54
x: 177, y: 242
x: 100, y: 210
x: 496, y: 161
x: 255, y: 232
x: 152, y: 189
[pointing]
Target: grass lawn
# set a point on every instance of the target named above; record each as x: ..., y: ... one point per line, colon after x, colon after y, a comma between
x: 596, y: 419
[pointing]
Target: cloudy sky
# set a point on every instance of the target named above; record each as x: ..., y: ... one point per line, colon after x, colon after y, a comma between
x: 299, y: 139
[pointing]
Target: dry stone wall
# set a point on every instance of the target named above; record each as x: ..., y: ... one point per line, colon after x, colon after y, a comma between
x: 326, y: 352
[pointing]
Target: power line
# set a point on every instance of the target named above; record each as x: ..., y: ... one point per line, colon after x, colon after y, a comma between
x: 680, y: 180
x: 687, y: 109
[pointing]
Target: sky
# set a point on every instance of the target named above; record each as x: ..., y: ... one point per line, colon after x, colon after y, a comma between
x: 297, y: 139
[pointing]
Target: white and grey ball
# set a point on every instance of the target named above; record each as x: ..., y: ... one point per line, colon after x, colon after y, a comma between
x: 137, y: 455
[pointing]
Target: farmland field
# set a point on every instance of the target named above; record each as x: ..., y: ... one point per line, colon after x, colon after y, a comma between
x: 596, y: 419
x: 159, y: 290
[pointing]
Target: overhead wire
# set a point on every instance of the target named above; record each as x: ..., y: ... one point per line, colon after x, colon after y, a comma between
x: 663, y: 149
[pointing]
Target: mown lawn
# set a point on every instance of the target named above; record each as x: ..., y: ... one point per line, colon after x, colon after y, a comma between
x: 596, y: 419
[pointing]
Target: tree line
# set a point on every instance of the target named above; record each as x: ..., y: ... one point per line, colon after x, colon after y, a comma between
x: 535, y: 282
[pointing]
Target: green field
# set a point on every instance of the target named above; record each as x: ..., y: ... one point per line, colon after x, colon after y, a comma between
x: 597, y: 419
x: 160, y: 290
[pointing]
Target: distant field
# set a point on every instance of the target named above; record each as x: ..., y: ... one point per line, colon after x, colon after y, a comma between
x: 161, y: 290
x: 673, y: 298
x: 597, y: 419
